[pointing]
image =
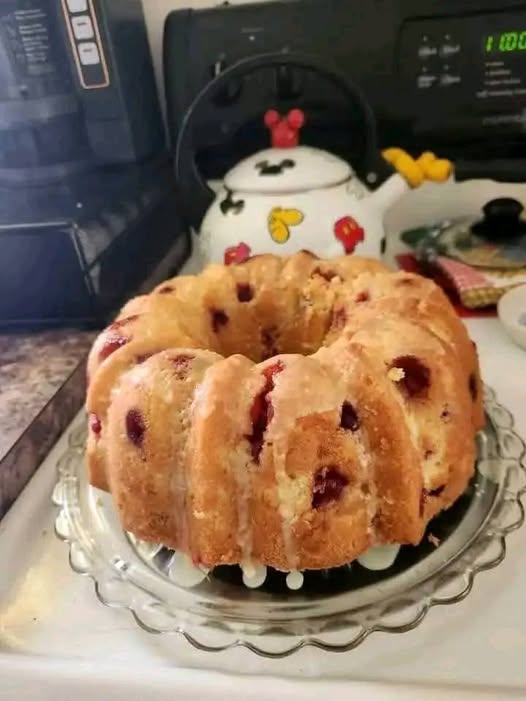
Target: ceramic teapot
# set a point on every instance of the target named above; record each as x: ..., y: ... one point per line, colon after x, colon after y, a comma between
x: 290, y: 196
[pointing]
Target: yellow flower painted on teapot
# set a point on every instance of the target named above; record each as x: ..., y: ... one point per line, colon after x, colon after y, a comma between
x: 279, y: 223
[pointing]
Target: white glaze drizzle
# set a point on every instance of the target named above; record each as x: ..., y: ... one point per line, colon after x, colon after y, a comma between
x: 183, y: 572
x: 139, y: 375
x: 182, y: 476
x: 239, y: 458
x: 180, y: 486
x: 254, y: 575
x: 240, y: 464
x: 201, y: 378
x: 379, y: 557
x: 364, y: 457
x: 295, y: 580
x: 297, y: 396
x: 491, y: 469
x: 199, y: 406
x: 147, y: 549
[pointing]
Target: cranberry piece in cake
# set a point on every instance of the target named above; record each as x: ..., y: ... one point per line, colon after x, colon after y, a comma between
x: 362, y: 297
x: 114, y: 341
x: 416, y: 378
x: 329, y: 484
x: 349, y: 418
x: 325, y: 274
x: 143, y: 357
x: 181, y: 364
x: 135, y: 427
x: 262, y: 411
x: 426, y: 493
x: 95, y: 424
x: 245, y: 293
x: 112, y: 344
x: 445, y: 414
x: 219, y: 319
x: 339, y: 318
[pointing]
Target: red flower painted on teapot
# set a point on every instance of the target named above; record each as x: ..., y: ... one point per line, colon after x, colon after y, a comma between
x: 349, y: 233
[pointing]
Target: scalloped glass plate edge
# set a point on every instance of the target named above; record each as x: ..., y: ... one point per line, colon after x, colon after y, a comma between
x: 398, y: 615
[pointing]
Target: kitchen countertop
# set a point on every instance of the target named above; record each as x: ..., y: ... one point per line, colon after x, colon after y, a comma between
x: 42, y: 385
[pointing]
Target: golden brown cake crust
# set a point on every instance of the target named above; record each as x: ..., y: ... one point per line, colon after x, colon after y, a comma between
x: 288, y: 411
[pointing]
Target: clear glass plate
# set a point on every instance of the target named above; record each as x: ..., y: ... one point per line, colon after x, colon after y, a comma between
x: 336, y: 609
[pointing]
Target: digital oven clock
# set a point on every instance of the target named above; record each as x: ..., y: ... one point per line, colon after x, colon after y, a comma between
x: 463, y: 78
x: 505, y: 42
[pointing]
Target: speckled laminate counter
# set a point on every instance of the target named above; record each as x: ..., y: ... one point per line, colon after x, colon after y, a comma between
x: 42, y: 385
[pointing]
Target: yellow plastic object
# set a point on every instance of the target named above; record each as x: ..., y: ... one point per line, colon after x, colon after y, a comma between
x: 392, y: 154
x: 426, y: 167
x: 439, y: 170
x: 426, y: 159
x: 405, y: 165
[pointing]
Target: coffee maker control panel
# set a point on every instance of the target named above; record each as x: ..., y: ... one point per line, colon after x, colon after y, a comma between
x: 77, y: 88
x: 84, y: 36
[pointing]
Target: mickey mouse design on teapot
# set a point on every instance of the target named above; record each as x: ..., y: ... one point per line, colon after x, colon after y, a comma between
x: 290, y: 196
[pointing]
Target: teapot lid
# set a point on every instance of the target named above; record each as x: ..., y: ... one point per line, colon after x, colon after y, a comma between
x: 287, y: 167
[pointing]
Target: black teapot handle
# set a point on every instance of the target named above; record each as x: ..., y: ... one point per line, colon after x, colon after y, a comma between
x: 195, y: 195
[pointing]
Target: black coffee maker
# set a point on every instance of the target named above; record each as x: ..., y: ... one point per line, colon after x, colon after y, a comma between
x: 87, y: 211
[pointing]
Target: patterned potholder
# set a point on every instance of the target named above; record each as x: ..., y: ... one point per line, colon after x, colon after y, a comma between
x: 479, y: 287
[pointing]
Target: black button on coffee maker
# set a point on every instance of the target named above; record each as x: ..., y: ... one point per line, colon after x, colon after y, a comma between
x: 502, y: 221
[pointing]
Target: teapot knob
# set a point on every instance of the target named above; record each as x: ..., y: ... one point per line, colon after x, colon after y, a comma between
x: 285, y: 132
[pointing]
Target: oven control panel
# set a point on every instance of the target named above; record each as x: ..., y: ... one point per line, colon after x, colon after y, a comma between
x: 472, y: 69
x: 446, y: 75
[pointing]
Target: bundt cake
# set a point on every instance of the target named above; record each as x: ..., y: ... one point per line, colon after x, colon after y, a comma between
x: 291, y: 412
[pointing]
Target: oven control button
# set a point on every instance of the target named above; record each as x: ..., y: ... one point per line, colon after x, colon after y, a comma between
x: 426, y: 81
x: 427, y: 51
x: 448, y: 50
x: 447, y: 79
